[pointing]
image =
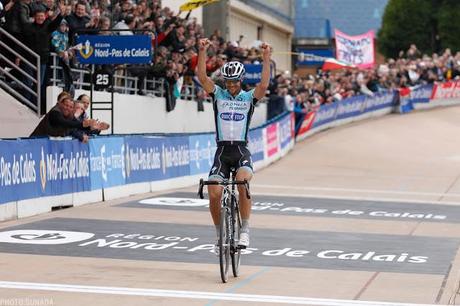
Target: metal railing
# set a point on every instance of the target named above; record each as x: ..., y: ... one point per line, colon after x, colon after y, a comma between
x: 123, y: 82
x: 20, y: 80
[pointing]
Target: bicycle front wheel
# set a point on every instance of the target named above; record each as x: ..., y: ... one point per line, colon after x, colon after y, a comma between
x: 224, y: 245
x: 236, y: 251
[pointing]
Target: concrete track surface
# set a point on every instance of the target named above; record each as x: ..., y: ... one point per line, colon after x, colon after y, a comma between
x: 366, y: 214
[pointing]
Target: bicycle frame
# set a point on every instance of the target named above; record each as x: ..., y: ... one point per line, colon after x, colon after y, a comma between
x: 230, y: 223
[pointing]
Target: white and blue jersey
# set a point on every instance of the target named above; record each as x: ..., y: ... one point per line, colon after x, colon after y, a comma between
x: 232, y: 114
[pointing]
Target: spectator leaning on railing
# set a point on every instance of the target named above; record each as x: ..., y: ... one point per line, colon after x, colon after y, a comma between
x: 60, y: 120
x: 81, y: 114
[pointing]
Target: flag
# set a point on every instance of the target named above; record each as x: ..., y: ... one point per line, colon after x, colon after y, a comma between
x: 333, y: 64
x: 193, y: 4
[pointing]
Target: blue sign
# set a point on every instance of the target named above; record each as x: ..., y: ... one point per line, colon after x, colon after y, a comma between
x: 114, y: 49
x: 22, y: 176
x: 421, y: 94
x: 325, y: 114
x: 381, y: 100
x: 253, y: 74
x: 42, y: 167
x: 350, y: 107
x: 256, y: 144
x: 66, y: 164
x: 143, y: 160
x: 202, y: 149
x: 313, y: 57
x: 176, y: 156
x: 107, y: 162
x: 285, y: 131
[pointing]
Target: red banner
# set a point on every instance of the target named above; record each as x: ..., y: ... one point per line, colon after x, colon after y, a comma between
x: 307, y: 123
x: 446, y: 90
x: 272, y: 139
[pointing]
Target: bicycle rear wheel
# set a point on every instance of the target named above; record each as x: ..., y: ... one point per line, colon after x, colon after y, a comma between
x: 224, y: 245
x: 236, y: 251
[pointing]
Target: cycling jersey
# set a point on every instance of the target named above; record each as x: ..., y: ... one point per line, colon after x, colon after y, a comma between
x: 232, y: 114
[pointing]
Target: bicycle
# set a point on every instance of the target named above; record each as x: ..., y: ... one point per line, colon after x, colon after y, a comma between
x: 229, y: 218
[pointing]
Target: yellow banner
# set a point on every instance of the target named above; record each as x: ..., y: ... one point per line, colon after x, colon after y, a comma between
x: 193, y: 4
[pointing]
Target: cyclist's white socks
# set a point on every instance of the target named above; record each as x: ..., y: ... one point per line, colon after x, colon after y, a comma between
x: 245, y: 226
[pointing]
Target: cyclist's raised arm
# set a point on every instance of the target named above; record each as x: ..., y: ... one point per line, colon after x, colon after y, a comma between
x: 261, y: 88
x: 205, y: 81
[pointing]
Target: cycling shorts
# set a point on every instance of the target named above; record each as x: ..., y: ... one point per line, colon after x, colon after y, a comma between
x: 227, y: 157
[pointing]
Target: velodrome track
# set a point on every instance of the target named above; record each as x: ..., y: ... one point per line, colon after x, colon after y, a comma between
x: 365, y: 214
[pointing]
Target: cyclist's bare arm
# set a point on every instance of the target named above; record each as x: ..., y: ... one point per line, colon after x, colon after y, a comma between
x: 205, y: 81
x: 261, y: 88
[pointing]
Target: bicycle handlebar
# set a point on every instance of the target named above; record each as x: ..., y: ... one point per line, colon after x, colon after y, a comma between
x: 223, y: 183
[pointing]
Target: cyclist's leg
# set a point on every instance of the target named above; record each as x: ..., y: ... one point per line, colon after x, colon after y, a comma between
x: 244, y: 172
x: 219, y: 171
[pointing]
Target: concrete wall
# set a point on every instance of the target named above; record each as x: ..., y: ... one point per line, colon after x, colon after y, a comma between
x: 244, y: 19
x: 16, y: 119
x: 142, y: 114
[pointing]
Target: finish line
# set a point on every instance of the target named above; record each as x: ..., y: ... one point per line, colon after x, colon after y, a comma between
x: 196, y: 295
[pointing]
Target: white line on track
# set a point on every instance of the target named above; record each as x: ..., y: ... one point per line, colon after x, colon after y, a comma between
x: 197, y: 295
x: 457, y: 195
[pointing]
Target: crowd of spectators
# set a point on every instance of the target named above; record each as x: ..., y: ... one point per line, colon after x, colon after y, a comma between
x: 411, y: 68
x: 175, y: 37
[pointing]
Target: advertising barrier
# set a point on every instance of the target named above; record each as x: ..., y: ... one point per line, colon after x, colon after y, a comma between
x: 410, y: 98
x: 107, y: 162
x: 36, y: 168
x: 143, y: 159
x: 256, y: 144
x: 446, y: 90
x: 45, y: 169
x: 42, y: 167
x: 202, y: 149
x: 272, y: 139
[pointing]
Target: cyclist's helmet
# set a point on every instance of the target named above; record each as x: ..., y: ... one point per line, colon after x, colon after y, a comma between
x: 233, y: 71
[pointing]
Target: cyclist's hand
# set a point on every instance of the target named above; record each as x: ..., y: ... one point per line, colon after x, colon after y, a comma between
x: 204, y: 44
x: 266, y: 50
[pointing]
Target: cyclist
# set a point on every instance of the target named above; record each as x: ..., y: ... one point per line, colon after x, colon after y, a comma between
x: 233, y: 109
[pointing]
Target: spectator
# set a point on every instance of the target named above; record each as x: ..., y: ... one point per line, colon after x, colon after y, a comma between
x: 17, y: 17
x: 79, y: 20
x: 104, y: 26
x: 60, y: 120
x: 37, y: 36
x: 80, y: 134
x: 413, y: 53
x: 126, y: 25
x: 60, y: 45
x: 84, y: 101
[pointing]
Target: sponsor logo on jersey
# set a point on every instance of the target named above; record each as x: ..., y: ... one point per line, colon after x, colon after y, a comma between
x: 232, y: 116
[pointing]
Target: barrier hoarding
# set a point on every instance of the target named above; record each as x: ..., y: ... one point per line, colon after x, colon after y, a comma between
x: 107, y: 162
